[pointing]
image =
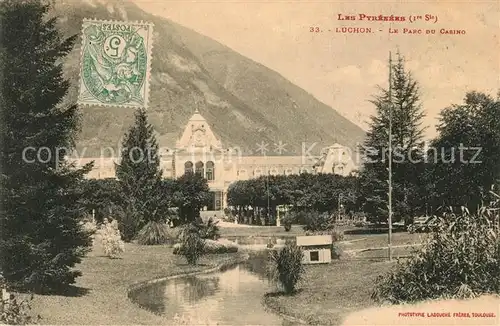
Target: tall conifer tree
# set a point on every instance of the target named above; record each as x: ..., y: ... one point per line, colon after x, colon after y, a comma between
x: 41, y: 235
x: 140, y: 176
x: 407, y: 147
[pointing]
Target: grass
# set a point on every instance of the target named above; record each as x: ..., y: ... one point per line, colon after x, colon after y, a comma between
x: 383, y: 253
x: 380, y: 240
x: 328, y: 293
x: 361, y: 241
x: 100, y: 295
x: 257, y: 231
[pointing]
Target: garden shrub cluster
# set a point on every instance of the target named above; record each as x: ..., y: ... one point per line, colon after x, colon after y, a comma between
x: 197, y: 239
x: 192, y: 245
x: 212, y: 247
x: 154, y: 233
x: 459, y: 260
x: 14, y: 311
x: 209, y: 229
x: 285, y: 267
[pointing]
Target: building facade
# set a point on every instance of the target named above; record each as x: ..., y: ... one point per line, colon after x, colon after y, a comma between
x: 199, y: 150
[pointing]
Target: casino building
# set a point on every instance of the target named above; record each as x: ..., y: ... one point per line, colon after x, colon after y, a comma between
x: 199, y: 150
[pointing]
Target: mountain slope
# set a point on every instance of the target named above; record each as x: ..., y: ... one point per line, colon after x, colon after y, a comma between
x: 244, y: 102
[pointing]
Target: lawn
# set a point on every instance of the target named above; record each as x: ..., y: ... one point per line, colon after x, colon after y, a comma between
x: 264, y: 231
x: 100, y: 296
x: 363, y: 241
x: 328, y: 293
x: 356, y: 241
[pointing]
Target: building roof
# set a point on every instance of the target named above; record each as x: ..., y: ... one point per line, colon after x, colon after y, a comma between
x: 197, y: 133
x: 314, y: 240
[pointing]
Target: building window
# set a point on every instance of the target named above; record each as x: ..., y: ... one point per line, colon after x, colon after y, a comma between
x: 288, y: 171
x: 257, y: 173
x: 210, y: 171
x: 198, y: 168
x: 303, y: 170
x: 188, y: 167
x: 273, y: 171
x: 314, y: 255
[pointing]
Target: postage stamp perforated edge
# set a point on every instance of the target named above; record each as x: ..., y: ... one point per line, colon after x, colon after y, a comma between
x: 149, y: 54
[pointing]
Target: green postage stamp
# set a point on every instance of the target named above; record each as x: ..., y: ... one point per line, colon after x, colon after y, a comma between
x: 115, y: 63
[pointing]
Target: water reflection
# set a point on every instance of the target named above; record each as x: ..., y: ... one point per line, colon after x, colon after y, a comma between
x: 257, y: 264
x: 195, y: 288
x: 151, y: 297
x: 230, y: 297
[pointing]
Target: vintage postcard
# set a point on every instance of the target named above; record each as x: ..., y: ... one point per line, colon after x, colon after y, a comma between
x: 250, y: 162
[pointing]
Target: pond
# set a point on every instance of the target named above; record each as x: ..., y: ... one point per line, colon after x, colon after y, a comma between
x: 230, y: 297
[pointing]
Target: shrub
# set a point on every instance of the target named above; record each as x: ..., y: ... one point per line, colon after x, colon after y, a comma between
x: 154, y: 233
x: 212, y: 247
x: 287, y: 222
x: 90, y: 227
x: 173, y: 234
x: 14, y: 312
x: 218, y: 247
x: 315, y: 221
x: 129, y: 221
x: 459, y: 260
x: 111, y: 239
x: 192, y: 244
x: 286, y: 267
x: 210, y: 229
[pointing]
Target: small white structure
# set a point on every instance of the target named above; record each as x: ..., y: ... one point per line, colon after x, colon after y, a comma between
x: 317, y: 249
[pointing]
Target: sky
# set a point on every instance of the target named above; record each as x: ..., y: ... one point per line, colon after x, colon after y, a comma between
x: 343, y: 70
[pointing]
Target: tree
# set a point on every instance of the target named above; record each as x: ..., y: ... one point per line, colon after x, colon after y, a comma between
x: 313, y: 192
x: 103, y: 196
x: 190, y: 196
x: 465, y: 155
x: 407, y: 135
x: 140, y: 177
x: 41, y: 213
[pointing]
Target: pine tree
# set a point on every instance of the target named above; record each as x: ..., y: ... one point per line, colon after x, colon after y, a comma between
x: 407, y: 144
x: 41, y: 211
x: 140, y: 177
